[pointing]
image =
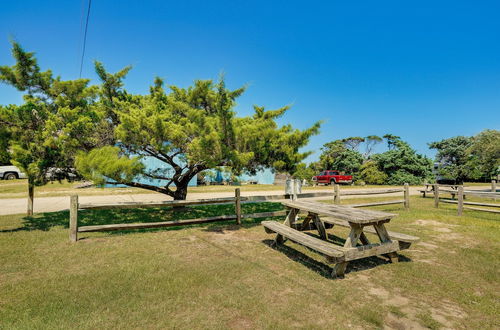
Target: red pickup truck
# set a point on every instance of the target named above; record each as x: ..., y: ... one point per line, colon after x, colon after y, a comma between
x: 332, y: 177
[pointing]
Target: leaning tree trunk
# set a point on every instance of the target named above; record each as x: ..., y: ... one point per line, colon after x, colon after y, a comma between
x: 31, y: 197
x: 180, y: 193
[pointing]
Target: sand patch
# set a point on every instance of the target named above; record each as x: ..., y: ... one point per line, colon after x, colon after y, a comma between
x: 427, y: 245
x: 433, y: 223
x: 241, y: 323
x: 392, y: 321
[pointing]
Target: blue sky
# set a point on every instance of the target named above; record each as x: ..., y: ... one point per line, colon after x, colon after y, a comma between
x: 423, y: 70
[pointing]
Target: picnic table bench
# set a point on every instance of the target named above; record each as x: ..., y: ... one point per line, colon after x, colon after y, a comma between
x: 357, y: 244
x: 429, y: 188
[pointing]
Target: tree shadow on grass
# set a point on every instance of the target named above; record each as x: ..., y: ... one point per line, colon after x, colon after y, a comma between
x: 45, y: 221
x: 324, y: 269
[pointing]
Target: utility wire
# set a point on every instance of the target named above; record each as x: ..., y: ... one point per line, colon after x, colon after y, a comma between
x: 85, y: 37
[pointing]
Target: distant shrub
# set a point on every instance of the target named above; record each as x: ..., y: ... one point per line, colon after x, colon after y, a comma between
x: 371, y: 174
x: 401, y: 177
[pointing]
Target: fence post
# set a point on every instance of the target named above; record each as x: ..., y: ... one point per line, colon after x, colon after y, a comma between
x: 237, y: 205
x: 336, y: 197
x: 494, y: 187
x: 436, y: 195
x: 460, y: 200
x: 73, y: 218
x: 407, y: 196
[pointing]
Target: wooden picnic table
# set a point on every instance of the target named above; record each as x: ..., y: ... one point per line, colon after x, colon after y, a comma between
x: 429, y: 188
x: 357, y: 244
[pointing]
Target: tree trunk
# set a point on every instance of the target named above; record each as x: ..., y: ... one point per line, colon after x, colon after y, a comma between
x: 31, y: 196
x: 180, y: 193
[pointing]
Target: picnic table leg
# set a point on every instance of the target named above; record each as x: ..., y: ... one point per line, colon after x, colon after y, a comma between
x: 291, y: 217
x: 289, y: 221
x: 384, y: 238
x: 320, y: 226
x: 307, y: 220
x: 352, y: 240
x: 364, y: 240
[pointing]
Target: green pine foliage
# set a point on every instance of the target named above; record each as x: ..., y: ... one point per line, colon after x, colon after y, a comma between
x: 336, y: 155
x: 402, y: 164
x: 398, y: 165
x: 190, y: 130
x: 371, y: 174
x: 56, y: 119
x: 469, y: 158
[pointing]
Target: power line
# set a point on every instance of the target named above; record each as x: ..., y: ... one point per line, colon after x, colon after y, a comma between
x: 85, y: 37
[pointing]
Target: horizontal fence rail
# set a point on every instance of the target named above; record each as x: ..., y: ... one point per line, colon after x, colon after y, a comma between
x: 337, y: 196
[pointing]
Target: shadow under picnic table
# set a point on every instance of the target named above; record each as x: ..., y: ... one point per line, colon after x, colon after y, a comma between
x: 325, y: 269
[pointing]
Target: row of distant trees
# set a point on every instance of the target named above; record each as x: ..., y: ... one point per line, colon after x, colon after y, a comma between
x: 459, y: 159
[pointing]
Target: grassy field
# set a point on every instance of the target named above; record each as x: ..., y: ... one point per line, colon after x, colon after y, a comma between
x: 224, y: 276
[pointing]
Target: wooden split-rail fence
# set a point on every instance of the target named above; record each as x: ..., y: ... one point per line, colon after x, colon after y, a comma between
x: 461, y: 194
x: 337, y: 196
x: 292, y: 192
x: 237, y: 200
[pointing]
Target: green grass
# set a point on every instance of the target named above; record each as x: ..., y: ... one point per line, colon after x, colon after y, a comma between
x: 223, y: 276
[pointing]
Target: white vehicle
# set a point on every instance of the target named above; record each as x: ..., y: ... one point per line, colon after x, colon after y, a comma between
x: 11, y: 173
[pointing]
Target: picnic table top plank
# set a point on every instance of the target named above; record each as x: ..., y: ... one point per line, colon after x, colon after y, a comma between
x: 340, y: 212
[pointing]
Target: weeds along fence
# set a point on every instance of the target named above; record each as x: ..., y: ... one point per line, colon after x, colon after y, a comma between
x: 337, y: 196
x: 75, y: 207
x: 462, y: 194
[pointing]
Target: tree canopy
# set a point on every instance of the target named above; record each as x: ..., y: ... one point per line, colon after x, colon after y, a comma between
x: 189, y: 130
x: 469, y: 158
x: 336, y: 156
x: 55, y: 120
x: 399, y: 164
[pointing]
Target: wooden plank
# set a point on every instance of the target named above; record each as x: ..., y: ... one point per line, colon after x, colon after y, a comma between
x: 320, y: 226
x: 291, y: 217
x: 371, y: 192
x: 263, y: 215
x: 460, y: 201
x: 470, y: 203
x: 353, y: 238
x: 484, y: 194
x: 336, y: 198
x: 377, y: 203
x: 407, y: 196
x: 73, y: 218
x: 237, y: 205
x: 340, y: 212
x: 252, y: 199
x: 392, y: 235
x: 323, y: 247
x: 385, y: 239
x: 370, y: 250
x: 129, y: 226
x: 436, y: 196
x: 124, y: 205
x: 481, y: 209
